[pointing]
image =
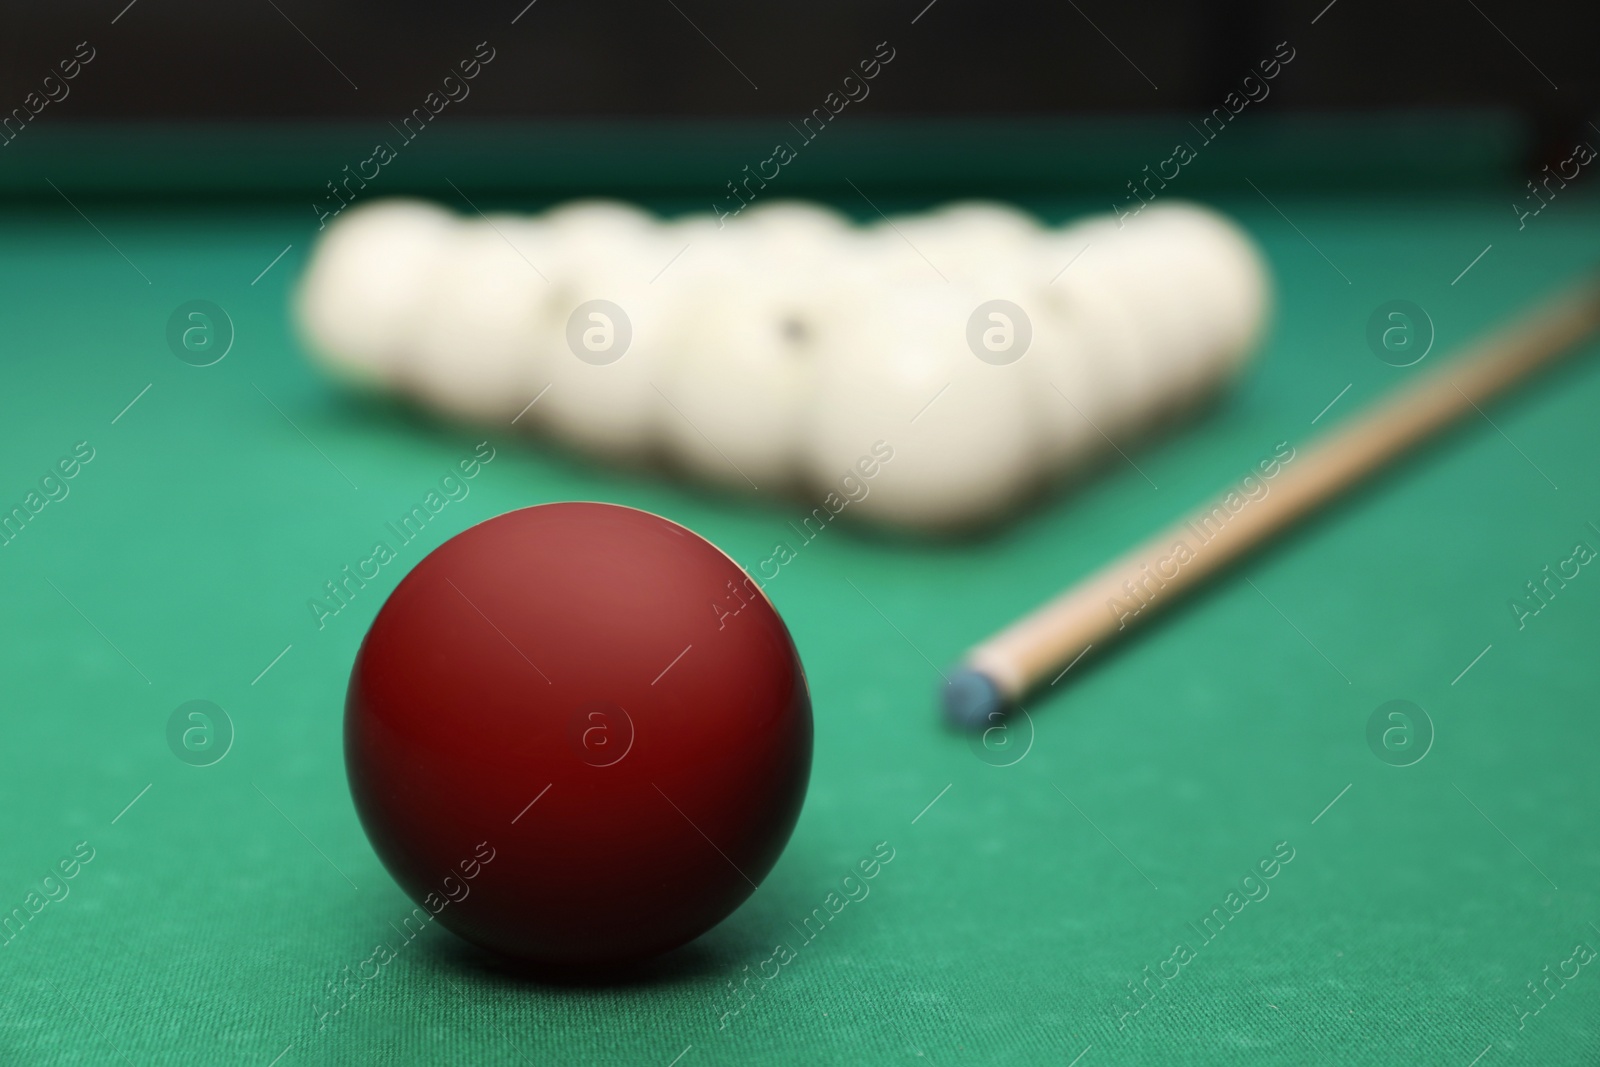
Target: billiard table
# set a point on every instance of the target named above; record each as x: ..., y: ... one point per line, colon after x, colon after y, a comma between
x: 1221, y: 842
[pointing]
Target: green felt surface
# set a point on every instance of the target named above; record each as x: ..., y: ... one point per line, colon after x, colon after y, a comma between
x: 1022, y: 899
x: 1083, y: 154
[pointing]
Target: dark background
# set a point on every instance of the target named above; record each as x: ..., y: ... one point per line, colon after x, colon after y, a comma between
x: 257, y: 59
x: 1526, y: 74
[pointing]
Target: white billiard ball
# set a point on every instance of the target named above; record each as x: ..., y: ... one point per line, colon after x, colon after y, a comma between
x: 1068, y: 397
x: 471, y: 353
x: 1231, y: 277
x: 361, y: 294
x: 958, y: 428
x: 600, y: 221
x: 787, y: 232
x: 1141, y: 262
x: 1130, y: 374
x: 604, y: 338
x: 746, y: 347
x: 976, y: 242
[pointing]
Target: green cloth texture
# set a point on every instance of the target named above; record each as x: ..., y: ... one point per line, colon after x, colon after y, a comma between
x: 1100, y: 899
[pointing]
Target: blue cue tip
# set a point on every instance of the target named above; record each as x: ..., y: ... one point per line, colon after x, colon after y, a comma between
x: 971, y: 699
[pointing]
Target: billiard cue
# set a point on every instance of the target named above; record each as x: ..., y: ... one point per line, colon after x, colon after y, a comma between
x: 996, y: 674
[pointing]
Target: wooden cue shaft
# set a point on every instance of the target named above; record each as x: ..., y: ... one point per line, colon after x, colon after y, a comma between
x: 1028, y: 651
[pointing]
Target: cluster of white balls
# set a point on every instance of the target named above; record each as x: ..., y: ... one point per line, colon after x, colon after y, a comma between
x: 773, y: 350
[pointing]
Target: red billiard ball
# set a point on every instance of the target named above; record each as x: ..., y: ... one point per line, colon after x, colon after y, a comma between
x: 578, y: 734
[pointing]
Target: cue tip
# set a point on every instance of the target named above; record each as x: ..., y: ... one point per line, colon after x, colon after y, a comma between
x: 971, y: 699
